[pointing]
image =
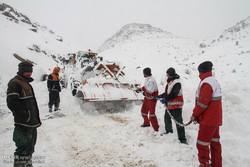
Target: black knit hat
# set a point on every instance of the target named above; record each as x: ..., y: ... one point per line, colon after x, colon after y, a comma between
x: 171, y: 71
x: 24, y: 67
x: 205, y: 67
x: 147, y: 71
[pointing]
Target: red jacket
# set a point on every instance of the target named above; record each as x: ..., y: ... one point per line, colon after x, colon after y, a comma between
x: 208, y: 107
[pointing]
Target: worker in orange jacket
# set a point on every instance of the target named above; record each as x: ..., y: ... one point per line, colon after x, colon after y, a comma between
x: 208, y: 113
x: 54, y: 89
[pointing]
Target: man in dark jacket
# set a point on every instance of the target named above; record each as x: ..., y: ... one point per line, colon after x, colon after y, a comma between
x: 54, y: 88
x: 22, y: 102
x: 173, y: 99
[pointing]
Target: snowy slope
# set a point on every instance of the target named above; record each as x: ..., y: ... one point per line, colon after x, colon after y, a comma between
x: 230, y: 54
x: 85, y: 137
x: 149, y: 47
x: 19, y: 35
x: 132, y: 31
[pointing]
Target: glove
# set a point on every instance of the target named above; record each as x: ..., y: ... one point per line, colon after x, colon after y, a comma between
x: 163, y: 100
x: 158, y: 97
x: 138, y: 90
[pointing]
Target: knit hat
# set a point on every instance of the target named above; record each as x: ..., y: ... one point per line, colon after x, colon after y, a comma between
x: 205, y: 67
x: 147, y: 71
x: 25, y: 67
x: 171, y: 71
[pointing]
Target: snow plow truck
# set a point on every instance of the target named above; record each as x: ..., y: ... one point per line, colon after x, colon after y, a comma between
x: 101, y: 81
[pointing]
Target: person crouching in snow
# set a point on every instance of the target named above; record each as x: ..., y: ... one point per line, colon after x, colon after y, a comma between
x: 173, y: 99
x: 54, y: 88
x: 208, y: 113
x: 150, y: 89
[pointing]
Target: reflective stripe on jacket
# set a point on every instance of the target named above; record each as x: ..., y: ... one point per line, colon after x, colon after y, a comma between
x: 178, y: 101
x: 208, y: 106
x: 22, y: 102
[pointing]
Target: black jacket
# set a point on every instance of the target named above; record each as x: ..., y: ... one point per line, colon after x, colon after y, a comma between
x: 22, y: 102
x: 53, y: 83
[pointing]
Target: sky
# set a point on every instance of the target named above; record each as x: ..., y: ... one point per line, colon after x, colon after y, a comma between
x: 88, y: 23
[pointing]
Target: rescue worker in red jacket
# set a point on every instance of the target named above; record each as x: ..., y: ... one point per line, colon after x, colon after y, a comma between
x: 208, y: 113
x: 150, y: 89
x: 173, y: 99
x: 54, y: 88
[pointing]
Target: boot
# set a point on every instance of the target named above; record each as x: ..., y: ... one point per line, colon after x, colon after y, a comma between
x: 184, y: 142
x: 144, y: 125
x: 201, y: 165
x: 50, y: 109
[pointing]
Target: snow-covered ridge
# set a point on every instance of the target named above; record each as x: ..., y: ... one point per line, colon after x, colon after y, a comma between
x: 130, y: 31
x: 242, y: 27
x: 238, y: 32
x: 30, y: 41
x: 19, y: 18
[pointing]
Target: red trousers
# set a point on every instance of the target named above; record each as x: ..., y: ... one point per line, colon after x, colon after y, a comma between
x: 148, y: 106
x: 209, y: 141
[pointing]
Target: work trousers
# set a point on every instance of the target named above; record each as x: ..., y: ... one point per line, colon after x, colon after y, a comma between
x: 177, y: 114
x: 54, y: 99
x: 148, y: 113
x: 209, y: 141
x: 25, y: 140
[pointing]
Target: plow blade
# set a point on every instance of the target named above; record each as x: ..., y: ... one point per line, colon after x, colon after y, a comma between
x: 108, y: 92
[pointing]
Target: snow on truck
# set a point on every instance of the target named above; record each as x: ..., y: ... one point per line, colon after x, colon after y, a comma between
x: 102, y: 81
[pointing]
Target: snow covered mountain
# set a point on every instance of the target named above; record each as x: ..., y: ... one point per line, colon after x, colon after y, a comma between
x: 131, y: 32
x: 230, y: 50
x: 143, y: 45
x: 21, y: 38
x: 239, y: 31
x: 13, y: 15
x: 237, y: 35
x: 81, y: 138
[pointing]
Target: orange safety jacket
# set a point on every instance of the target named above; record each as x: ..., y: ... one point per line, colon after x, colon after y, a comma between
x: 54, y: 76
x: 53, y: 81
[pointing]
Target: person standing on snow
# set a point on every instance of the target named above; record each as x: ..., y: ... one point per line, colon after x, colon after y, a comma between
x: 208, y: 113
x: 21, y: 101
x: 173, y: 99
x: 150, y: 89
x: 54, y: 88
